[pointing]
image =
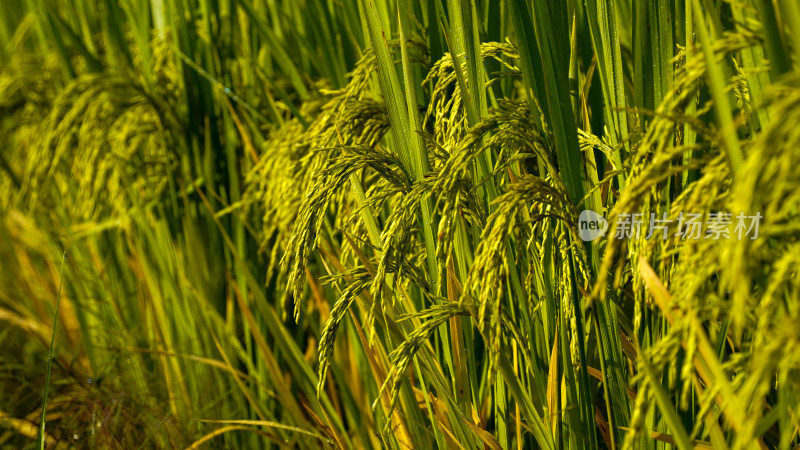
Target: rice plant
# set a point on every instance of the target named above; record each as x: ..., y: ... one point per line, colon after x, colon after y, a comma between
x: 400, y: 224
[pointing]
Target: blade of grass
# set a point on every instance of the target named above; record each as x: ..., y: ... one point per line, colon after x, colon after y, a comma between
x: 779, y: 62
x: 420, y: 160
x: 666, y: 408
x: 717, y: 82
x: 50, y: 353
x: 602, y: 18
x: 392, y: 92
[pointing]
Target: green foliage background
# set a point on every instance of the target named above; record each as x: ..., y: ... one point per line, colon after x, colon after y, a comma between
x: 353, y: 223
